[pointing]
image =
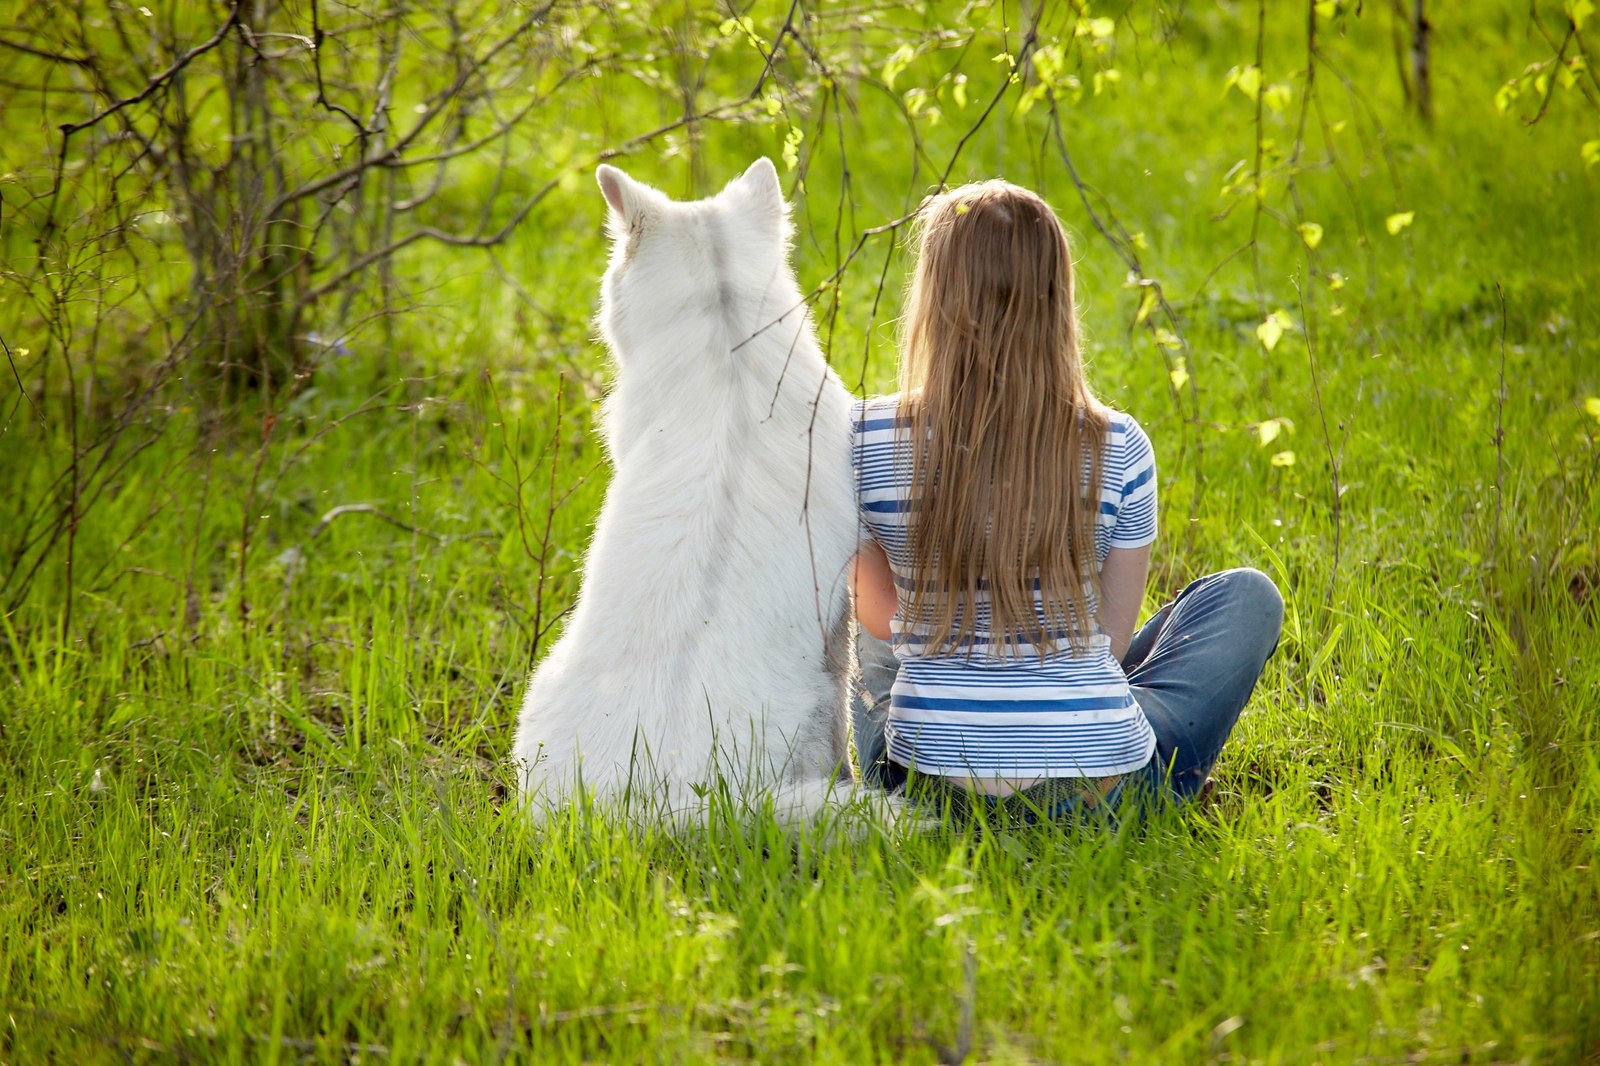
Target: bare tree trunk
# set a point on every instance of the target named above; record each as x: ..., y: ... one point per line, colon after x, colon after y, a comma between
x: 1422, y: 74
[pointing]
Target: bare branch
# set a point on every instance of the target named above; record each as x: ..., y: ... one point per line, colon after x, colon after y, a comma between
x: 160, y: 80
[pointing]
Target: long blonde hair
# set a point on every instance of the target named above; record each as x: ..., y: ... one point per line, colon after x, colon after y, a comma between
x: 1002, y: 424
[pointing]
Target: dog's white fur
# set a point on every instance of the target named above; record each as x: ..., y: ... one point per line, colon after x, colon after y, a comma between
x: 710, y: 639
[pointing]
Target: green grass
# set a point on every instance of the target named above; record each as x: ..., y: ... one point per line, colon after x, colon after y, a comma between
x: 259, y: 811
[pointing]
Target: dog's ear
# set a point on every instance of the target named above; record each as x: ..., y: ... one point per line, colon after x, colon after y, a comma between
x: 621, y: 192
x: 760, y: 181
x: 758, y: 187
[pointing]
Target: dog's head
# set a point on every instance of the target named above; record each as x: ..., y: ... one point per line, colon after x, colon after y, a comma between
x: 685, y: 273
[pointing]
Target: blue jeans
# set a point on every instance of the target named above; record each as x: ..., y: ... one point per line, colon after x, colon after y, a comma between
x: 1191, y: 667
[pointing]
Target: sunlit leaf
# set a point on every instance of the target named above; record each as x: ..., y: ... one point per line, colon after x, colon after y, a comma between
x: 1147, y: 303
x: 1590, y: 153
x: 1167, y: 339
x: 1592, y: 406
x: 1277, y: 96
x: 1104, y: 27
x: 1138, y: 241
x: 1311, y: 233
x: 1272, y: 328
x: 958, y: 90
x: 1579, y: 11
x: 1327, y: 8
x: 1504, y: 96
x: 1268, y: 431
x: 1283, y: 459
x: 1335, y: 281
x: 791, y: 147
x: 1179, y: 374
x: 1398, y: 221
x: 1246, y: 79
x: 1033, y: 95
x: 896, y: 64
x: 1269, y: 333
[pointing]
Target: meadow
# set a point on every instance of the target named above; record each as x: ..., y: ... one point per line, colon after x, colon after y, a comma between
x: 257, y: 695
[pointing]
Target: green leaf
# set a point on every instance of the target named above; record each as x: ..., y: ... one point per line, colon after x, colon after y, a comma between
x: 1579, y: 11
x: 1167, y: 339
x: 1272, y: 328
x: 1311, y: 233
x: 1048, y: 64
x: 1592, y: 406
x: 791, y: 147
x: 1269, y: 333
x: 1032, y: 95
x: 1246, y: 79
x: 1147, y: 303
x: 897, y: 62
x: 1179, y: 374
x: 1283, y: 459
x: 1590, y: 153
x: 1268, y: 430
x: 1398, y: 221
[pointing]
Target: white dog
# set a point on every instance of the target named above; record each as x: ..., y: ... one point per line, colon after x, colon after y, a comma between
x: 710, y: 641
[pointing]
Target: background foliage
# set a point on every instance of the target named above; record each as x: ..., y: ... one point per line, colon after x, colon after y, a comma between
x: 299, y: 463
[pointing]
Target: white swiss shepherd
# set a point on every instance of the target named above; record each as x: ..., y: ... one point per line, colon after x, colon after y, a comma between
x: 710, y: 639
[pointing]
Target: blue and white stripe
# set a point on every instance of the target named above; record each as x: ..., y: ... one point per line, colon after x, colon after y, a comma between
x: 978, y: 712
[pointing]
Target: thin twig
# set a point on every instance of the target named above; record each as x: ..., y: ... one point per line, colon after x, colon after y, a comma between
x: 1500, y: 429
x: 1327, y: 438
x: 365, y: 508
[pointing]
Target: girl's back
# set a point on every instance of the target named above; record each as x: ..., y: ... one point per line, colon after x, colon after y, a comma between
x: 980, y: 708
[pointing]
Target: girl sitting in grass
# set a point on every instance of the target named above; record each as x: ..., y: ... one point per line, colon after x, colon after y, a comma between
x: 1008, y: 518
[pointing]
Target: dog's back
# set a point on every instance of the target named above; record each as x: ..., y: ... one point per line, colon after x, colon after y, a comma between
x: 710, y: 635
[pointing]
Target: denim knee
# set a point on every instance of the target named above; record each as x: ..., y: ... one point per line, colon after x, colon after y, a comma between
x: 1259, y: 606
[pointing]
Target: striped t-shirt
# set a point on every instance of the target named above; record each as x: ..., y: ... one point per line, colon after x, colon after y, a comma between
x: 980, y: 712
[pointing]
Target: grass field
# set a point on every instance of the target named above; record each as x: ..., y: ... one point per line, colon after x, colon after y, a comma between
x: 255, y: 803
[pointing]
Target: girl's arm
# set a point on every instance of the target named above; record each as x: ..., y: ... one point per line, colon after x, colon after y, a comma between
x: 872, y: 584
x: 1122, y: 578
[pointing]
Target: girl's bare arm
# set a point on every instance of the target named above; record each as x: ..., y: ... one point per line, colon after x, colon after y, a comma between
x: 1122, y: 578
x: 872, y: 584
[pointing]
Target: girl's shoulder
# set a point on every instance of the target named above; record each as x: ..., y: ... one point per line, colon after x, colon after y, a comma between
x: 1120, y: 422
x: 1127, y: 445
x: 875, y: 408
